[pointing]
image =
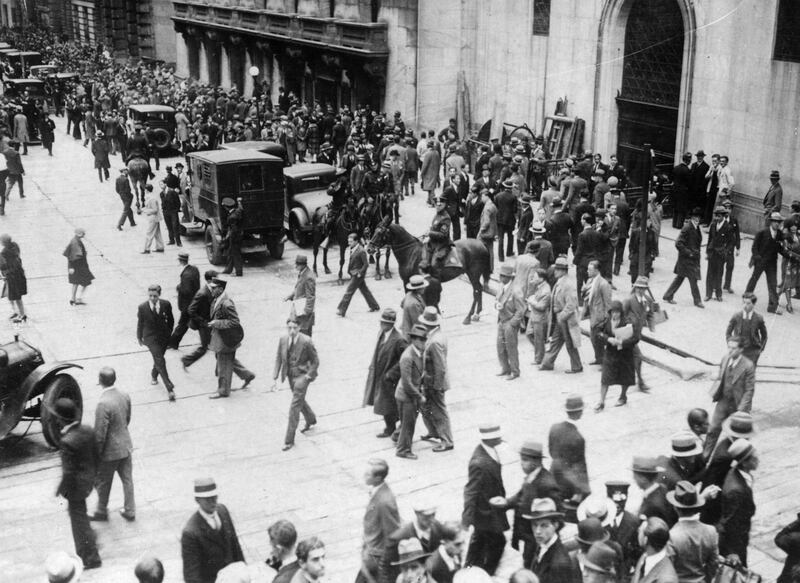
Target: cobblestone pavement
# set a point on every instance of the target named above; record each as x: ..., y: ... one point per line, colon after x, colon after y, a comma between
x: 318, y: 484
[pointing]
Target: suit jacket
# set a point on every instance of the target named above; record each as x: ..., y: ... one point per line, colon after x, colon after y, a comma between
x: 626, y: 535
x: 206, y: 551
x: 736, y: 385
x: 655, y: 504
x: 407, y: 531
x: 188, y: 286
x: 226, y: 330
x: 688, y: 245
x: 155, y: 328
x: 286, y: 572
x: 506, y: 204
x: 412, y: 369
x: 488, y: 227
x: 438, y: 570
x: 542, y: 486
x: 434, y: 359
x: 384, y: 372
x: 663, y: 572
x: 200, y: 308
x: 380, y: 520
x: 413, y: 306
x: 358, y: 264
x: 738, y: 508
x: 568, y: 452
x: 555, y: 566
x: 78, y: 463
x: 111, y: 418
x: 302, y: 360
x: 773, y: 200
x: 510, y: 306
x: 305, y: 287
x: 720, y: 240
x: 694, y: 550
x: 559, y: 232
x: 788, y: 540
x: 765, y: 248
x: 564, y: 307
x: 754, y: 333
x: 484, y: 481
x: 591, y: 245
x: 697, y: 181
x: 599, y: 301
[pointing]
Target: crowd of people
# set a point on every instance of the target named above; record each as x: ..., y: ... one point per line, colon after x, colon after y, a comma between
x: 551, y: 217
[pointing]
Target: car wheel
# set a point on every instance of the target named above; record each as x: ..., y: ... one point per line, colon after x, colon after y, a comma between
x: 61, y: 386
x: 297, y: 234
x: 161, y: 138
x: 275, y: 249
x: 213, y: 246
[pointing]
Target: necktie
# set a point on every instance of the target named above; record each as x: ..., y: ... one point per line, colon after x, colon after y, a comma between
x: 154, y: 307
x: 424, y: 542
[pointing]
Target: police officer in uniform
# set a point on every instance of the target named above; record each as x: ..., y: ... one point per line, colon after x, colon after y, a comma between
x: 233, y: 236
x: 439, y: 233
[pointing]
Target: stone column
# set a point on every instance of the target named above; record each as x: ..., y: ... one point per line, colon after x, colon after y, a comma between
x: 225, y: 66
x: 247, y: 91
x: 201, y: 47
x: 277, y: 78
x: 181, y: 56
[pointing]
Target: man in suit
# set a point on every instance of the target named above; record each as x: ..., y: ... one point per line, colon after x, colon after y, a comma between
x: 738, y: 506
x: 526, y: 218
x: 506, y: 203
x: 568, y: 452
x: 697, y: 180
x: 565, y: 329
x: 687, y: 266
x: 773, y: 200
x: 596, y: 293
x: 584, y: 207
x: 510, y: 312
x: 380, y: 520
x: 720, y: 242
x: 384, y: 372
x: 209, y: 541
x: 559, y: 228
x: 547, y: 557
x: 733, y: 250
x: 282, y: 540
x: 435, y: 381
x: 655, y: 565
x: 473, y: 209
x: 114, y: 446
x: 767, y: 244
x: 624, y: 527
x: 538, y: 483
x: 78, y: 473
x: 305, y: 288
x: 226, y: 337
x: 484, y: 482
x: 685, y: 462
x: 681, y: 185
x: 654, y: 499
x: 413, y: 303
x: 199, y: 312
x: 788, y: 540
x: 448, y: 558
x: 692, y: 544
x: 296, y: 359
x: 538, y: 300
x: 424, y: 527
x: 357, y: 268
x: 154, y: 328
x: 123, y: 188
x: 410, y: 393
x: 187, y: 287
x: 310, y: 560
x: 488, y: 225
x: 734, y: 390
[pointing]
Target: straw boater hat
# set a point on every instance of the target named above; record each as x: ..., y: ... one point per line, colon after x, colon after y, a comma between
x: 205, y: 488
x: 685, y: 496
x: 409, y: 550
x: 645, y: 465
x: 537, y: 228
x: 542, y: 508
x: 506, y: 270
x: 561, y: 263
x: 574, y: 403
x: 63, y: 568
x: 739, y: 424
x: 685, y: 444
x: 641, y: 281
x: 740, y: 450
x: 416, y: 282
x: 597, y: 506
x: 490, y: 431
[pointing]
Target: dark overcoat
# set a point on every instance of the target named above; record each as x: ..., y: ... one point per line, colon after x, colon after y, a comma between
x: 688, y: 246
x: 384, y: 372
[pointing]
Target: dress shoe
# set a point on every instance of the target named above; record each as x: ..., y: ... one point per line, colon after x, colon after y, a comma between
x: 573, y: 371
x: 340, y: 313
x: 718, y: 298
x: 153, y: 381
x: 512, y: 376
x: 621, y: 401
x: 502, y: 373
x: 595, y: 363
x: 98, y: 517
x: 429, y: 437
x: 127, y: 516
x: 707, y: 299
x: 407, y: 455
x: 218, y: 396
x: 545, y: 368
x: 442, y: 447
x: 171, y: 396
x: 92, y: 565
x: 700, y: 305
x: 599, y: 407
x: 287, y: 447
x: 669, y: 300
x: 119, y: 228
x: 308, y: 427
x: 644, y: 388
x: 384, y: 433
x: 159, y: 250
x: 247, y: 383
x: 145, y: 252
x: 374, y: 309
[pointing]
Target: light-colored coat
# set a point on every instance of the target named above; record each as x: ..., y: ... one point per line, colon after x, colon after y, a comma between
x: 302, y: 360
x: 111, y: 418
x: 431, y: 163
x: 510, y: 306
x: 694, y: 550
x: 435, y: 361
x: 599, y: 300
x: 564, y: 307
x: 224, y: 318
x: 663, y: 572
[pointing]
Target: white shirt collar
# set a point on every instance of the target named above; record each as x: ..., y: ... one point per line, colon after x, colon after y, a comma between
x: 533, y: 475
x: 748, y: 478
x: 651, y: 561
x: 546, y: 546
x: 111, y: 388
x: 734, y: 362
x: 650, y: 489
x: 421, y: 533
x: 491, y: 451
x: 448, y: 560
x: 747, y: 315
x: 212, y: 519
x: 692, y: 518
x: 66, y: 428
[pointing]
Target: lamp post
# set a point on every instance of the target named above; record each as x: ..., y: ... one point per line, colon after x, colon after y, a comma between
x: 254, y: 72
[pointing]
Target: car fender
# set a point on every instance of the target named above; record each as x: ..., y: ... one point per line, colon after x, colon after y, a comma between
x: 301, y: 214
x: 42, y: 373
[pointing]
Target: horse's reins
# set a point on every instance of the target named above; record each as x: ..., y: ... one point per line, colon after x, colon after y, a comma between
x: 403, y: 246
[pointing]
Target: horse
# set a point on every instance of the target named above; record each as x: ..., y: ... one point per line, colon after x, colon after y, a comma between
x: 324, y: 228
x: 370, y: 222
x: 408, y: 251
x: 139, y: 172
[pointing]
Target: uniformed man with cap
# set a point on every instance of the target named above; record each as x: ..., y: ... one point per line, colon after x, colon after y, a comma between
x: 234, y: 233
x: 720, y: 243
x: 439, y: 243
x: 305, y: 288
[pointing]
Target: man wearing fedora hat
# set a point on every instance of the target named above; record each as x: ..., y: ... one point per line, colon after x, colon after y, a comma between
x: 384, y: 372
x: 526, y: 216
x: 305, y: 288
x: 568, y: 452
x: 209, y: 541
x: 738, y: 506
x: 506, y: 203
x: 411, y: 562
x: 187, y: 287
x: 646, y: 472
x: 773, y: 200
x: 767, y: 245
x: 234, y: 233
x: 123, y: 188
x: 685, y: 461
x: 720, y: 243
x: 226, y: 338
x: 547, y: 557
x: 538, y: 300
x: 484, y: 483
x: 510, y: 311
x: 687, y: 266
x: 413, y: 303
x: 655, y: 566
x: 600, y: 564
x: 565, y: 330
x: 357, y: 268
x: 734, y: 388
x: 590, y: 531
x: 436, y: 381
x: 410, y: 393
x: 79, y: 460
x: 693, y: 545
x: 538, y: 483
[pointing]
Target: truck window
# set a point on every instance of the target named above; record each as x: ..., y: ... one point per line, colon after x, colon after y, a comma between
x: 250, y: 178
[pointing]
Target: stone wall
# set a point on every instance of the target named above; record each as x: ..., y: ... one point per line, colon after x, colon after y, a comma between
x: 401, y: 73
x: 163, y: 31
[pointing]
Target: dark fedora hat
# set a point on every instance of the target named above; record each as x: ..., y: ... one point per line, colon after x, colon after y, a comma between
x: 685, y: 496
x: 409, y: 550
x: 600, y: 557
x: 590, y: 530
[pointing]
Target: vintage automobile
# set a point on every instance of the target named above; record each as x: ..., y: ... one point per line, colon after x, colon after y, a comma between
x: 253, y: 178
x: 29, y: 388
x: 306, y: 191
x: 161, y: 119
x: 272, y: 148
x: 21, y: 61
x: 18, y: 87
x: 42, y: 71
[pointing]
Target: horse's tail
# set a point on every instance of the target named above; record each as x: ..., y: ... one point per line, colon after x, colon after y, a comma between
x: 487, y: 268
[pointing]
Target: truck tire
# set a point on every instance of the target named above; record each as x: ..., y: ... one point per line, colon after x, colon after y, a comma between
x: 213, y: 243
x: 298, y: 236
x: 60, y: 386
x: 275, y: 248
x: 161, y: 139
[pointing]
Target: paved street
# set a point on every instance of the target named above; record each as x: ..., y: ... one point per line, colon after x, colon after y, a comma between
x: 318, y: 484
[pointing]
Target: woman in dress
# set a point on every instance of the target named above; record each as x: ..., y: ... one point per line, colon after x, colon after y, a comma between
x: 791, y: 266
x: 618, y: 361
x: 78, y: 267
x: 16, y: 285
